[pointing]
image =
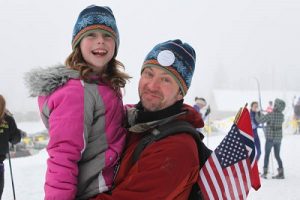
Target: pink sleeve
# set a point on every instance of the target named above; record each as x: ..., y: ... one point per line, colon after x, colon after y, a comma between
x: 66, y: 131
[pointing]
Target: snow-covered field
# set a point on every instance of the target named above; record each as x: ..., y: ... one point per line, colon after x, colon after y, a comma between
x: 28, y: 173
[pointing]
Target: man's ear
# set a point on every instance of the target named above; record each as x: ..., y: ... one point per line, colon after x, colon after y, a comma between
x: 179, y: 95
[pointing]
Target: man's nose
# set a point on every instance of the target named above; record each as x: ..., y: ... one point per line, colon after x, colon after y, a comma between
x: 153, y: 84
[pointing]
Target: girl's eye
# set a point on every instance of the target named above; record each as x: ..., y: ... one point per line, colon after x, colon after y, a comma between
x: 91, y: 35
x: 106, y: 35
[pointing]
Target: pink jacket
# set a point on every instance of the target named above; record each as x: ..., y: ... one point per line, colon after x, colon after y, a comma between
x: 86, y: 138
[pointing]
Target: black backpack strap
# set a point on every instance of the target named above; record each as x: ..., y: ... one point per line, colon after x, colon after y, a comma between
x: 148, y: 139
x: 173, y: 128
x: 162, y: 131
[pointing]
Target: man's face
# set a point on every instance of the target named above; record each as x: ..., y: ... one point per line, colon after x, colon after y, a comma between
x: 158, y: 89
x: 200, y: 103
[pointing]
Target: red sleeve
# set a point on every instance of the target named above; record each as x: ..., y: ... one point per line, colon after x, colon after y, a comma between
x: 166, y: 169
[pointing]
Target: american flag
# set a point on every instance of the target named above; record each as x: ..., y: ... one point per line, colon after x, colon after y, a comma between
x: 231, y: 169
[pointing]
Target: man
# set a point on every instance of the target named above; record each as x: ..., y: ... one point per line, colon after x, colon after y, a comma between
x: 273, y: 134
x: 168, y: 168
x: 200, y: 103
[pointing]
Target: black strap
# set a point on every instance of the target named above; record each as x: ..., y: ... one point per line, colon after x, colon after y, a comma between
x: 173, y: 128
x: 148, y: 139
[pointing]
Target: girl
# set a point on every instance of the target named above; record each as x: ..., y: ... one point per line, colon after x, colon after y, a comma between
x: 8, y: 133
x: 81, y: 106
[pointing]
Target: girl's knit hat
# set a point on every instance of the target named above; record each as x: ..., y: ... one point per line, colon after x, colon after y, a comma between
x: 95, y: 18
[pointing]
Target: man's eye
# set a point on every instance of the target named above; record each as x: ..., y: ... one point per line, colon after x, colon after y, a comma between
x: 167, y: 80
x: 147, y: 74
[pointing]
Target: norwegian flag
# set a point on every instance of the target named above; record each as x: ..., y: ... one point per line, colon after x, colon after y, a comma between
x: 231, y: 169
x: 244, y: 125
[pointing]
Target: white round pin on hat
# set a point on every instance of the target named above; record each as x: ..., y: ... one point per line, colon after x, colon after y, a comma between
x: 166, y: 58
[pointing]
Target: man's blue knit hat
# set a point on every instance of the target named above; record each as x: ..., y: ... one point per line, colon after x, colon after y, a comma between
x: 176, y: 58
x: 95, y: 18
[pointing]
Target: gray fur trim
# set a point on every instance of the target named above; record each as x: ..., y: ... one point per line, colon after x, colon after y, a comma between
x: 43, y: 81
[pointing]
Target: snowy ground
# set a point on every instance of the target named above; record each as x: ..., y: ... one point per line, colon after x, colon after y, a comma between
x: 28, y: 173
x: 288, y: 188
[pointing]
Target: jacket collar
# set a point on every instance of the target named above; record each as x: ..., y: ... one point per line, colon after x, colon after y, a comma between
x: 185, y: 113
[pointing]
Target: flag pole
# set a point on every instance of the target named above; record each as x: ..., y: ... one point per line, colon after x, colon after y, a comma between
x: 238, y: 115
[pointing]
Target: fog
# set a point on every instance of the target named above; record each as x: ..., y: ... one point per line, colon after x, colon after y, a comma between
x: 237, y: 43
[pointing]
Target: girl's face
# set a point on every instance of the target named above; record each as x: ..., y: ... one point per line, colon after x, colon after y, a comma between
x: 97, y: 49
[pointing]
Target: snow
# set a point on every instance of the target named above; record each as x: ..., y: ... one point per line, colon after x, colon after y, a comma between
x: 29, y: 172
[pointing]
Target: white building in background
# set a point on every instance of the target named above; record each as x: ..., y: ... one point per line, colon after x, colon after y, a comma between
x: 228, y: 102
x: 232, y: 88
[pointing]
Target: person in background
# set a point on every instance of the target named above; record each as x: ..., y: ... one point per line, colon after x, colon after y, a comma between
x: 9, y: 133
x: 255, y: 125
x: 296, y: 107
x: 199, y: 105
x: 81, y: 105
x: 270, y: 107
x: 168, y: 168
x: 273, y: 134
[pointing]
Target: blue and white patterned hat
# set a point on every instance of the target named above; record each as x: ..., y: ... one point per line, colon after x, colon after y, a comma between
x: 93, y: 18
x: 176, y: 58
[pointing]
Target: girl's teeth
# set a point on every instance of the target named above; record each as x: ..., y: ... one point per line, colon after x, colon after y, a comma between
x: 100, y: 52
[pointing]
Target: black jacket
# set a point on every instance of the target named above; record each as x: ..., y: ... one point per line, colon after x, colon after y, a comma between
x: 8, y: 133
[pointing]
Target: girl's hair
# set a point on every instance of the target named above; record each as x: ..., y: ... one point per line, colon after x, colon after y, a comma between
x: 2, y: 107
x: 112, y: 73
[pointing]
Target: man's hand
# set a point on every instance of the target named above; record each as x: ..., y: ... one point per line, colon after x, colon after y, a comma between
x: 207, y: 111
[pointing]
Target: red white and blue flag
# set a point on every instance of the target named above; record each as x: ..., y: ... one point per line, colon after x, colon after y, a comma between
x: 231, y: 169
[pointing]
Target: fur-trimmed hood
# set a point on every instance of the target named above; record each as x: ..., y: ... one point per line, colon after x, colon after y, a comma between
x: 43, y: 81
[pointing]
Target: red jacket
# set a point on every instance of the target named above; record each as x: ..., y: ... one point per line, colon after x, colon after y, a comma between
x: 166, y: 169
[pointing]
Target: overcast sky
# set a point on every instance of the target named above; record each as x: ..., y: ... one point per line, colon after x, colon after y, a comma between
x: 234, y: 40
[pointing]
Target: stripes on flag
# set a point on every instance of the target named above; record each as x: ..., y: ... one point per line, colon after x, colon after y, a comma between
x: 226, y: 174
x: 245, y: 128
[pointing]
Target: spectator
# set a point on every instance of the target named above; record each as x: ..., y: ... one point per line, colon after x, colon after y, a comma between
x: 255, y: 125
x: 270, y: 107
x: 199, y: 106
x: 296, y: 107
x: 273, y: 133
x: 9, y: 133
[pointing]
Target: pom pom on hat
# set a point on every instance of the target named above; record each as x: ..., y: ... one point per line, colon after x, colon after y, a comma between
x: 176, y: 58
x: 95, y: 18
